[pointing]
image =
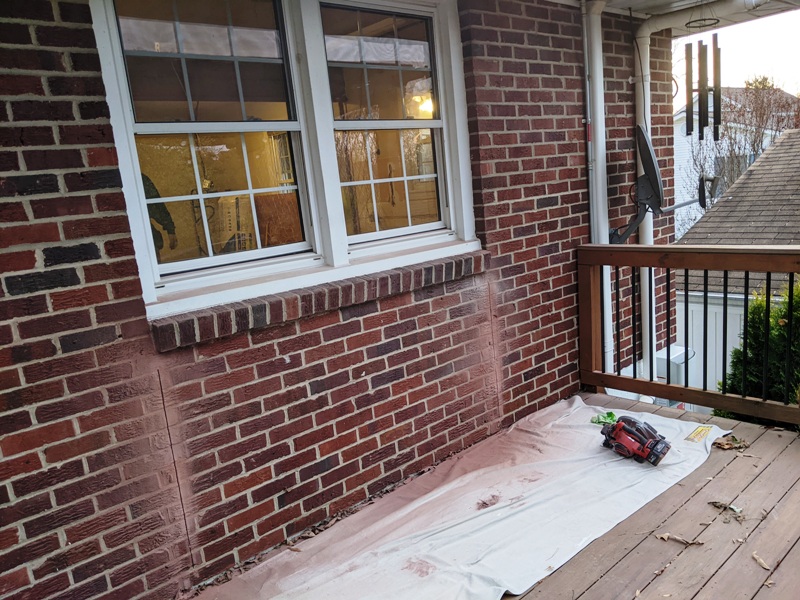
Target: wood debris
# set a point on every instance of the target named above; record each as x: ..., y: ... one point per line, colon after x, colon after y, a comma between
x: 731, y: 443
x: 769, y: 583
x: 662, y: 569
x: 761, y: 562
x: 671, y: 536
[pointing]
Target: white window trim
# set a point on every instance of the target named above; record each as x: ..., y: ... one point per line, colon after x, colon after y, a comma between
x: 334, y: 259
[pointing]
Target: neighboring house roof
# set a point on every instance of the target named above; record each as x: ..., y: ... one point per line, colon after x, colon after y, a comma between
x: 761, y: 208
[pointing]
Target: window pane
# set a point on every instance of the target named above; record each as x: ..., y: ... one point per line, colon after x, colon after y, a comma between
x: 387, y: 160
x: 378, y: 38
x: 351, y: 153
x: 418, y: 150
x: 348, y: 93
x: 279, y: 218
x: 418, y: 94
x: 157, y: 89
x: 230, y: 224
x: 255, y: 28
x: 339, y: 21
x: 215, y: 94
x: 199, y: 38
x: 253, y: 13
x: 414, y: 44
x: 264, y: 89
x: 220, y: 160
x: 391, y: 201
x: 270, y: 158
x: 359, y: 212
x: 256, y: 42
x: 147, y: 25
x: 211, y: 12
x: 384, y: 94
x: 424, y: 201
x: 166, y: 161
x: 177, y: 229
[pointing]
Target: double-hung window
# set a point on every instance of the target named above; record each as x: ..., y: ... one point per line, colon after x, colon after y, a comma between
x: 267, y: 145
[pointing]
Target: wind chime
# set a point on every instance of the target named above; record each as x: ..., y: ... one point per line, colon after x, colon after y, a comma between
x: 703, y: 89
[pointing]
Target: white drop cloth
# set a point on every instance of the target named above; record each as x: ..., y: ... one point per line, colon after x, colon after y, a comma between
x: 498, y: 517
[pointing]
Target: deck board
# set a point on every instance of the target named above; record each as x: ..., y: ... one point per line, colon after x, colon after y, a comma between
x: 630, y: 559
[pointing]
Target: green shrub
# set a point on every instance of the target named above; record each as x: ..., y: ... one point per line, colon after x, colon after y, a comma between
x: 780, y: 338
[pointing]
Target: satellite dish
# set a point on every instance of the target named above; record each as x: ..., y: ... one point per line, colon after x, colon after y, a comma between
x: 649, y: 187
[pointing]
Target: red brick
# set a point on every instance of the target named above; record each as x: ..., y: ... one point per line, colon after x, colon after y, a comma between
x: 60, y: 207
x: 9, y: 537
x: 95, y: 526
x: 20, y: 85
x: 102, y: 157
x: 77, y: 447
x: 36, y: 438
x: 57, y: 519
x: 63, y: 560
x: 11, y: 212
x: 69, y: 406
x: 29, y: 234
x: 84, y: 296
x: 9, y: 379
x: 99, y: 377
x: 14, y: 467
x: 58, y: 367
x: 92, y: 227
x: 14, y: 580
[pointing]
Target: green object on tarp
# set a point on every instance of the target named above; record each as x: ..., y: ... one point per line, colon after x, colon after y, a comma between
x: 608, y: 418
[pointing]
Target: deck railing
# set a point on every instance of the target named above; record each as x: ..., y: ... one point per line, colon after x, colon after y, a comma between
x: 698, y: 276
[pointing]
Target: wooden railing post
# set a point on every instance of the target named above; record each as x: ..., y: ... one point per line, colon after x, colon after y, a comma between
x: 590, y: 316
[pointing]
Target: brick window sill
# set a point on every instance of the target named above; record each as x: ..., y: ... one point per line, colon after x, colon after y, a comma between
x: 183, y: 331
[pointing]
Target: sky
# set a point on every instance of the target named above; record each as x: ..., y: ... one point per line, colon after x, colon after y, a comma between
x: 768, y: 46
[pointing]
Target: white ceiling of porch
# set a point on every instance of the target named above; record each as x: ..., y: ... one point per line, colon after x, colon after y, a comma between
x: 702, y: 9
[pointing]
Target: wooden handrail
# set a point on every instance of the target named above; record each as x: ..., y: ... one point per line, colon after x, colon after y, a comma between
x: 593, y: 257
x: 783, y: 259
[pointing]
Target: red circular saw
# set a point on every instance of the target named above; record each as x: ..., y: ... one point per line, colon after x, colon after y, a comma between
x: 634, y: 439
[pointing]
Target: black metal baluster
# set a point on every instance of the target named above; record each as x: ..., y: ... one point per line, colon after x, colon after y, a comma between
x: 705, y: 329
x: 633, y: 304
x: 767, y: 303
x: 725, y: 332
x: 744, y: 333
x: 789, y: 340
x: 686, y: 327
x: 669, y: 325
x: 618, y: 322
x: 652, y: 294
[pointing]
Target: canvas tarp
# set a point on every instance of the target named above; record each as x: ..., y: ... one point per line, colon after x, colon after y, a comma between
x: 497, y: 517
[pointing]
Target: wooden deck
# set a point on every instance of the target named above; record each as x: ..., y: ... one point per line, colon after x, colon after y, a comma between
x: 629, y: 562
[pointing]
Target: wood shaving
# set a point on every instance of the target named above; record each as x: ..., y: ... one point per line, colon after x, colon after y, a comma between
x: 294, y: 549
x: 662, y: 569
x: 761, y: 562
x: 671, y: 536
x: 769, y: 583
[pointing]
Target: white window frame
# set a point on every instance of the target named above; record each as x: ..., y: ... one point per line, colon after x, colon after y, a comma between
x: 332, y: 257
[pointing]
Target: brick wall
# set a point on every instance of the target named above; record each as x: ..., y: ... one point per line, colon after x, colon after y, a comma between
x: 131, y: 473
x: 524, y: 64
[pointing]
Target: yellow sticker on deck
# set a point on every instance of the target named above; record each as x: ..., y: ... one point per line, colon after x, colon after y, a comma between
x: 699, y: 434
